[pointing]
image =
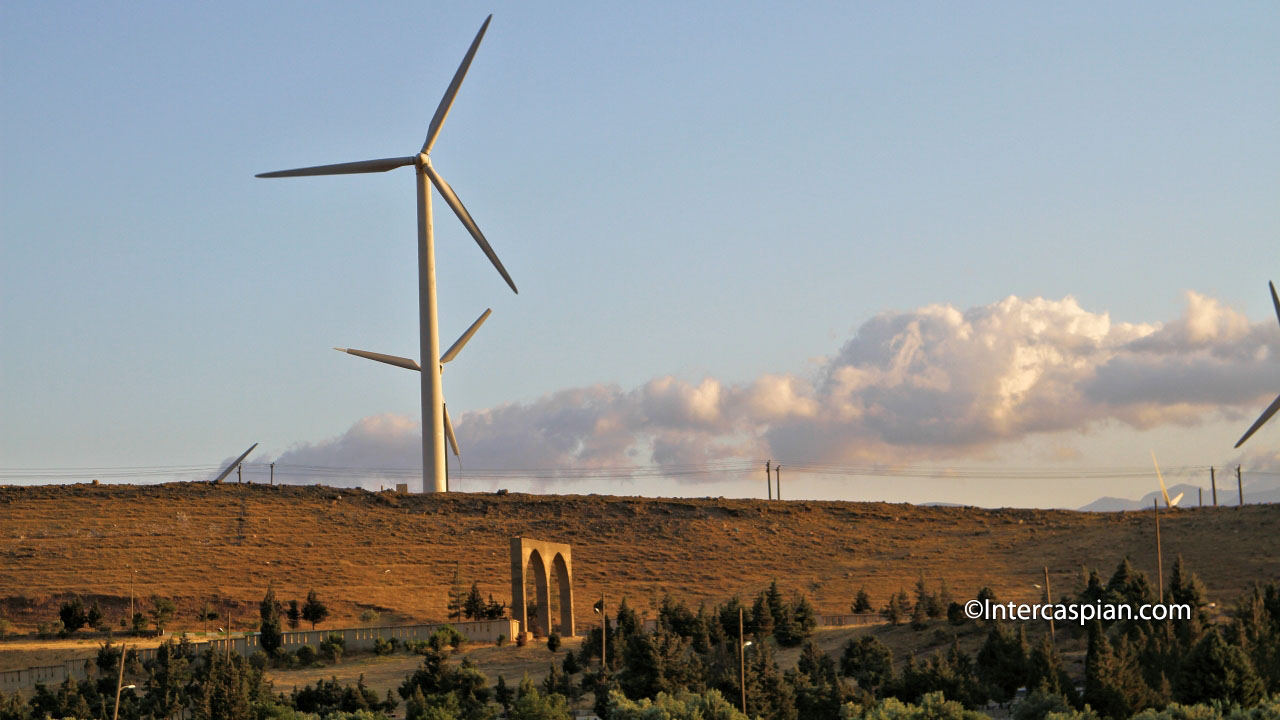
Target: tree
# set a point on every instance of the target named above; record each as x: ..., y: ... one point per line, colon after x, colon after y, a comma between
x: 941, y: 602
x: 168, y: 678
x: 294, y: 615
x: 314, y: 611
x: 920, y: 615
x: 862, y: 602
x: 1214, y: 670
x: 805, y: 616
x: 1186, y: 589
x: 553, y: 641
x: 761, y: 620
x: 73, y: 615
x: 162, y: 610
x: 473, y: 607
x: 571, y: 666
x: 1002, y: 661
x: 94, y: 617
x: 683, y: 705
x: 777, y: 606
x: 898, y: 607
x: 503, y: 695
x: 868, y: 661
x: 494, y: 610
x: 271, y: 637
x: 533, y: 705
x: 457, y: 595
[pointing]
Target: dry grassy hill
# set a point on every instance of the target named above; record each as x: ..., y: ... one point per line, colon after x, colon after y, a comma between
x: 397, y: 553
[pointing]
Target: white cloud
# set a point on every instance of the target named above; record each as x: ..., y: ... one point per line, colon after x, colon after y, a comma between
x: 932, y: 383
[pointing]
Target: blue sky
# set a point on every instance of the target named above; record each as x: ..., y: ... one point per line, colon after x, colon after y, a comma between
x: 728, y: 191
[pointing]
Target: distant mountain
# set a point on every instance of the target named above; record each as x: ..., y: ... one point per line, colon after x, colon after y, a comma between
x: 1255, y: 494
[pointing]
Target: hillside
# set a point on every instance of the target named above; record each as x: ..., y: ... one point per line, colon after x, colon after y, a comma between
x: 395, y: 554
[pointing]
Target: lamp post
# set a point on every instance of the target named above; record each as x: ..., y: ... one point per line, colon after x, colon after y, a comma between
x: 124, y: 650
x: 742, y: 663
x: 604, y: 634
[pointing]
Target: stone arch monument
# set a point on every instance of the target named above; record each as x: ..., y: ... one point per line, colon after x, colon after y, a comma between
x: 548, y: 559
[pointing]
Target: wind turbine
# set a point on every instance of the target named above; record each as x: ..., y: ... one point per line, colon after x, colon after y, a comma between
x: 234, y: 464
x: 433, y: 425
x: 410, y: 364
x: 1275, y: 404
x: 1167, y: 502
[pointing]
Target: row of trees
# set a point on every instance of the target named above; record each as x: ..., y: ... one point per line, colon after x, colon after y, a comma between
x: 470, y: 604
x: 1130, y: 666
x: 73, y: 615
x: 271, y: 611
x: 177, y: 683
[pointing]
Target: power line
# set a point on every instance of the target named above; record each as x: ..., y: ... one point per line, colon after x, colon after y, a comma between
x: 728, y: 468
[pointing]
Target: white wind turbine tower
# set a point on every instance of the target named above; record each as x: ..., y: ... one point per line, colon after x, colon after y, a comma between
x: 409, y: 364
x: 1275, y: 404
x: 433, y: 425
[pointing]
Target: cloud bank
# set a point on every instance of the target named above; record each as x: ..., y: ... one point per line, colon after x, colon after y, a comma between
x: 929, y: 384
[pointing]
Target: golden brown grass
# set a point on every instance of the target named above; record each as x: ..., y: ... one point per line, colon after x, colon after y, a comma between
x: 395, y: 554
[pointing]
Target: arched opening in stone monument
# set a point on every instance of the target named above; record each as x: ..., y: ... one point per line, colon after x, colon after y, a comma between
x: 561, y: 607
x: 537, y: 595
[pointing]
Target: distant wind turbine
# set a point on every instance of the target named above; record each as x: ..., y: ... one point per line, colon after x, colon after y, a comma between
x: 1163, y: 491
x: 409, y: 364
x: 1275, y: 404
x: 433, y: 425
x: 234, y: 464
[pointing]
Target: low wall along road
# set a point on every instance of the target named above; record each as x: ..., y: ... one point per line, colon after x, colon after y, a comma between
x: 357, y: 640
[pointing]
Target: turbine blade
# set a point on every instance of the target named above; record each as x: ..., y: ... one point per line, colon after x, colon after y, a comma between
x: 1266, y: 415
x: 234, y: 464
x: 1275, y: 299
x: 446, y: 102
x: 351, y: 168
x: 461, y: 342
x: 1174, y: 502
x: 451, y: 198
x: 396, y: 360
x: 1163, y: 491
x: 448, y: 432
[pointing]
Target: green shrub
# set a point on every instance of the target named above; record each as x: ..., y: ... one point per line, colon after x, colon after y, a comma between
x: 445, y: 636
x: 369, y: 616
x: 307, y: 656
x: 258, y: 660
x: 502, y: 640
x: 382, y: 646
x: 332, y: 647
x: 553, y: 642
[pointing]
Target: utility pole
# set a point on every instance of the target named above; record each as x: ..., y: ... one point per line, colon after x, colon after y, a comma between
x: 273, y: 473
x: 1159, y: 558
x: 124, y: 649
x: 742, y: 663
x: 239, y: 478
x: 1213, y: 481
x: 777, y: 471
x: 604, y: 635
x: 1240, y: 486
x: 1200, y: 492
x: 1048, y: 597
x: 768, y: 477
